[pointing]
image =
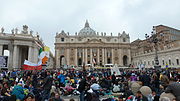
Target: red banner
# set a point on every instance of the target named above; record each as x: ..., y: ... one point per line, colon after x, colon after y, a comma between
x: 27, y: 67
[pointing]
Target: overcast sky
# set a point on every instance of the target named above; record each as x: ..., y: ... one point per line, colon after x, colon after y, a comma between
x: 47, y: 17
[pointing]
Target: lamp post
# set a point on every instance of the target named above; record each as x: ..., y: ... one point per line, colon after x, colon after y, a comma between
x: 155, y: 39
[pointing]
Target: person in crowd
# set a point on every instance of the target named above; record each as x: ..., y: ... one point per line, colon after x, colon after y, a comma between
x: 72, y: 99
x: 96, y: 88
x: 113, y: 77
x: 29, y: 97
x: 19, y: 84
x: 174, y: 88
x: 145, y: 79
x: 140, y: 97
x: 82, y: 88
x: 155, y: 82
x: 61, y: 78
x: 18, y: 91
x: 133, y: 77
x: 47, y: 86
x: 164, y: 80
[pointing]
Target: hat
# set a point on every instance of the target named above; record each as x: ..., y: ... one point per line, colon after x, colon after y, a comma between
x: 20, y: 84
x: 133, y: 74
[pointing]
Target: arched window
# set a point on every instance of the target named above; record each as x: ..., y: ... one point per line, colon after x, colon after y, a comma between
x: 109, y: 60
x: 62, y: 61
x: 124, y: 39
x: 79, y: 61
x: 125, y: 60
x: 62, y: 39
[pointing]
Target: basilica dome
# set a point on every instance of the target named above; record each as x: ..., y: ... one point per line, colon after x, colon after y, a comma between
x: 87, y: 31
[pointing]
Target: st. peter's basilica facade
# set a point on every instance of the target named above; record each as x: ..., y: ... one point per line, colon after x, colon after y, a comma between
x: 90, y: 47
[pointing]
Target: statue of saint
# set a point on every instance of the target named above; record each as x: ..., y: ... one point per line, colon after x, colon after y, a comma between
x: 2, y: 30
x: 12, y: 31
x: 16, y: 31
x: 31, y: 32
x: 37, y: 34
x: 25, y: 29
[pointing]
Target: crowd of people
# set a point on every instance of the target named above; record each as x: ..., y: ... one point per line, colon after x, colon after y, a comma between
x: 90, y: 85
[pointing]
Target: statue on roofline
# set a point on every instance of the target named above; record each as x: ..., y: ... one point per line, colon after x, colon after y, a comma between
x: 12, y: 31
x: 25, y: 29
x: 16, y: 30
x: 2, y: 30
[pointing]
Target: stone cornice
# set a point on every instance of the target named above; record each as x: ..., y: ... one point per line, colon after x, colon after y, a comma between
x: 94, y: 46
x: 159, y: 52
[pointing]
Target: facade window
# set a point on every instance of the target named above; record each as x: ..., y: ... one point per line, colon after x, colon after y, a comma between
x: 62, y: 39
x: 163, y: 62
x: 88, y: 62
x: 152, y: 62
x: 88, y: 39
x: 100, y: 56
x: 124, y: 39
x: 99, y: 39
x: 71, y: 39
x: 169, y: 62
x: 88, y: 55
x: 148, y: 63
x: 177, y: 61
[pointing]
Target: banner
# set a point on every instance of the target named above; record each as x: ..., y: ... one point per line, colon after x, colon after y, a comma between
x: 3, y: 61
x: 27, y: 67
x: 32, y: 66
x: 116, y: 70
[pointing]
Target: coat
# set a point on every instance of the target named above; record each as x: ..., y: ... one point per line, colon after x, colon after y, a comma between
x: 19, y: 92
x: 82, y: 85
x: 47, y: 83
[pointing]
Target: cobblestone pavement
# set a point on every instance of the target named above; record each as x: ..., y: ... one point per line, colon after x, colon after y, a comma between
x: 76, y: 98
x: 67, y: 98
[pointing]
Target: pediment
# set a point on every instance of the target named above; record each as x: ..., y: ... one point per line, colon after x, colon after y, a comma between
x: 94, y: 41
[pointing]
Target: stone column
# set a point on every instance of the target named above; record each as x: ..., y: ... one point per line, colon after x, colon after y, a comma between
x: 1, y: 50
x: 98, y: 56
x: 57, y: 58
x: 112, y: 57
x: 10, y: 57
x: 85, y: 56
x: 75, y: 57
x: 15, y: 57
x: 103, y: 57
x: 129, y: 56
x: 120, y: 57
x: 91, y: 56
x: 67, y: 56
x: 36, y: 53
x: 30, y: 54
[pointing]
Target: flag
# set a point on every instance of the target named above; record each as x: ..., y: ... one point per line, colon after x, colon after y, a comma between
x: 44, y: 54
x: 170, y: 75
x: 44, y: 60
x: 40, y: 50
x: 46, y: 49
x: 94, y: 62
x: 32, y: 66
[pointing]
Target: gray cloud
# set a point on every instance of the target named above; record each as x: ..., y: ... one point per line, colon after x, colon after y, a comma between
x: 47, y: 17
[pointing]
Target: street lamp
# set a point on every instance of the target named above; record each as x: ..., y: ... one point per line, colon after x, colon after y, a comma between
x: 155, y: 39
